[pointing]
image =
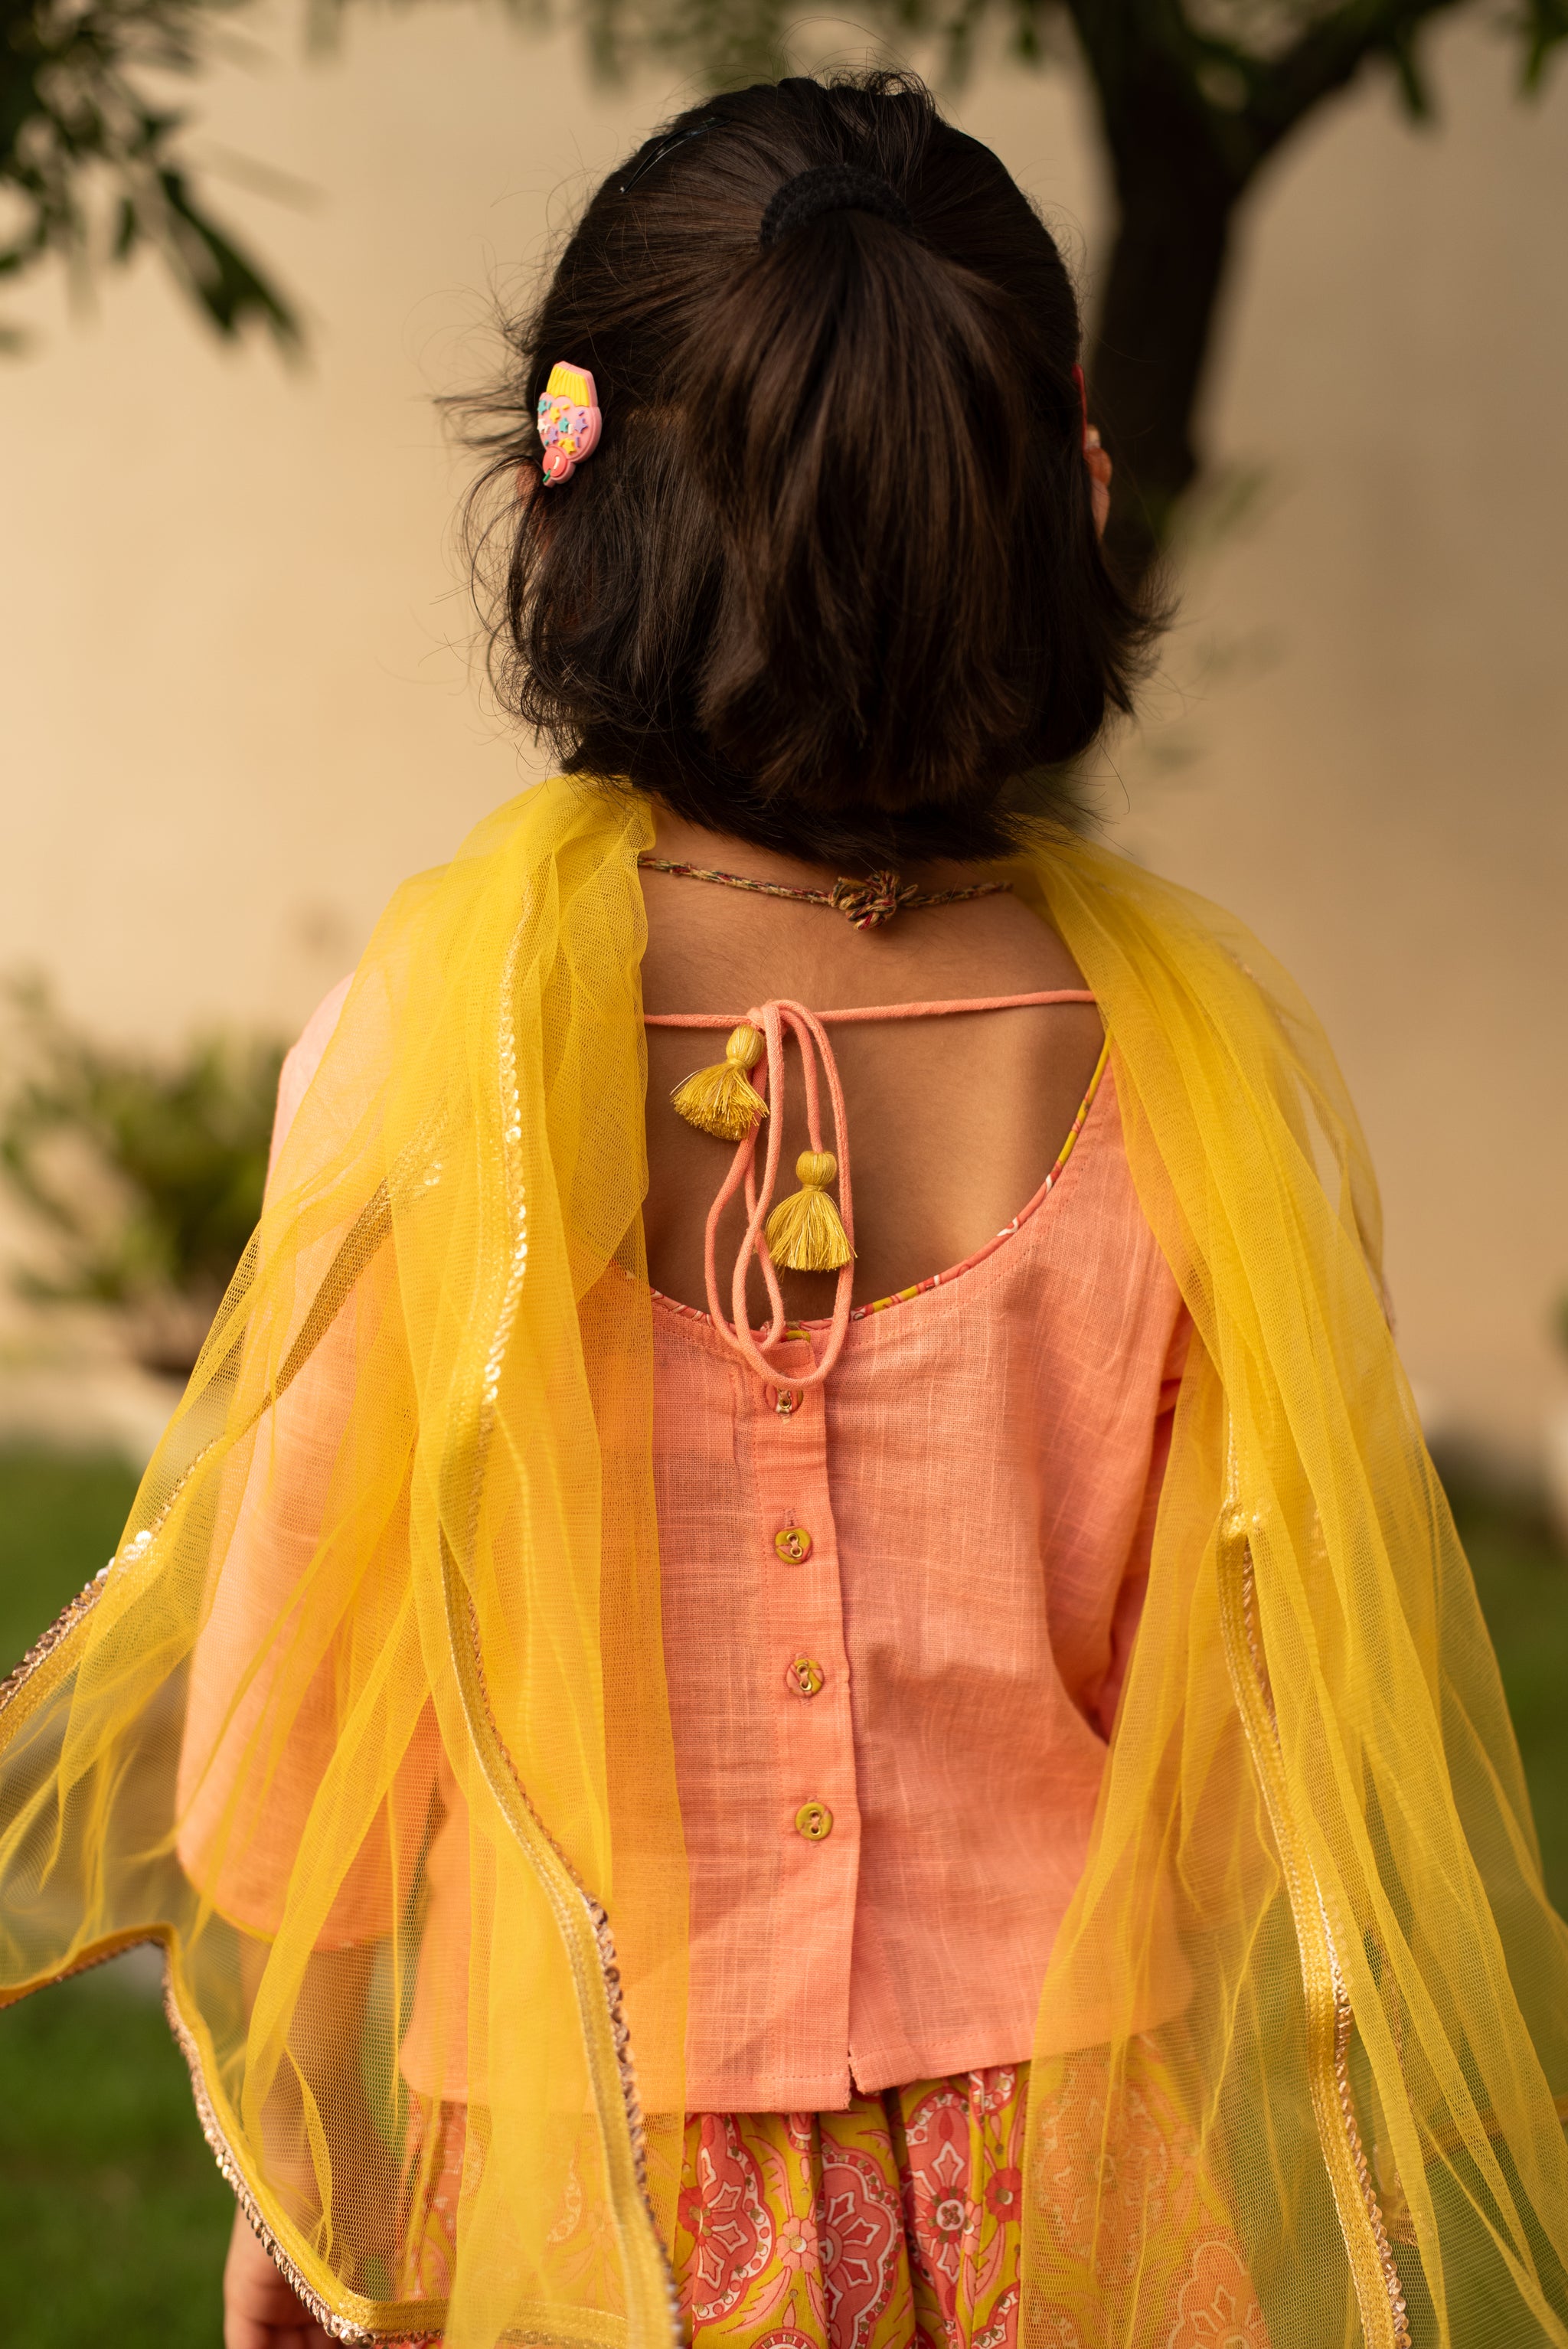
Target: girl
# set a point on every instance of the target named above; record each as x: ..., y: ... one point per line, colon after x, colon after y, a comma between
x: 724, y: 1752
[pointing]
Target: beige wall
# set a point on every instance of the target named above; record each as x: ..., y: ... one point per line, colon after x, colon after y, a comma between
x: 1377, y: 755
x: 237, y: 698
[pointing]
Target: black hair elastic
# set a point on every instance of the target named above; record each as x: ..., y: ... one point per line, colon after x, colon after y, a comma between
x: 831, y: 188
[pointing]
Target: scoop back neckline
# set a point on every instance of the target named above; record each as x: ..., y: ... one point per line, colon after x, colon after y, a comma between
x: 678, y: 1310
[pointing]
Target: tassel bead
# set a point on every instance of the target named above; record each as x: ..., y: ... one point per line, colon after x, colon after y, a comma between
x: 720, y: 1101
x: 804, y: 1233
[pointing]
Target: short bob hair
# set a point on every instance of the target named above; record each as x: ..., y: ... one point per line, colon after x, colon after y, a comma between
x: 830, y: 583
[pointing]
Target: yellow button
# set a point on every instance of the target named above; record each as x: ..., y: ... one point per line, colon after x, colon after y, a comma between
x: 805, y: 1676
x: 794, y: 1544
x: 814, y: 1821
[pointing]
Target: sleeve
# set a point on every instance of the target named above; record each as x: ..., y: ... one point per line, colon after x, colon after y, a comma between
x: 1134, y: 1584
x: 252, y: 1756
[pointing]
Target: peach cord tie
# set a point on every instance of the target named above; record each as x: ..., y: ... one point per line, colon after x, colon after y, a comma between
x: 777, y: 1023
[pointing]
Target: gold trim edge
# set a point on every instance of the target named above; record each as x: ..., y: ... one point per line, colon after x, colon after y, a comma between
x: 395, y: 2325
x: 581, y: 1920
x: 1384, y: 2319
x: 48, y: 1642
x: 338, y: 2324
x: 585, y: 1931
x: 398, y: 2324
x: 51, y: 1658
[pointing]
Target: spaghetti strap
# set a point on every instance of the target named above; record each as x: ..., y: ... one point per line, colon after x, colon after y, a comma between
x: 757, y: 1041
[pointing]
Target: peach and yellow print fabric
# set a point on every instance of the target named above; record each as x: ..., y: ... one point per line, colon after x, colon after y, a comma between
x: 897, y: 2224
x: 893, y: 2223
x: 1136, y: 2244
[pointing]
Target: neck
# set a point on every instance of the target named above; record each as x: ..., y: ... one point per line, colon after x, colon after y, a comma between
x: 690, y: 843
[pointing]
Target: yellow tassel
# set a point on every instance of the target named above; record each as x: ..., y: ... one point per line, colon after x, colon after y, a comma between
x: 719, y: 1100
x: 804, y: 1234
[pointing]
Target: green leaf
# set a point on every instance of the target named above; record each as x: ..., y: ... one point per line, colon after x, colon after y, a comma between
x: 225, y: 281
x: 89, y: 160
x: 1414, y: 91
x: 1544, y: 27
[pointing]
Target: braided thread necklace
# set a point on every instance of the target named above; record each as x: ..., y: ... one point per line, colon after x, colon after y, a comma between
x: 865, y: 904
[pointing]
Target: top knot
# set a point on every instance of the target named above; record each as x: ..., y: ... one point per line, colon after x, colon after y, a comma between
x: 831, y: 188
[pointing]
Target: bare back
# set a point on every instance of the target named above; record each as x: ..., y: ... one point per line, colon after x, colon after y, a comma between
x: 953, y: 1122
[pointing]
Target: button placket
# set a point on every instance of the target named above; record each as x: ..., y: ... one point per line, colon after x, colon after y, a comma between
x: 817, y: 1812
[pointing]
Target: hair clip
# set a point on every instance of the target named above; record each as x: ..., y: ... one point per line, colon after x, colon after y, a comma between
x: 1083, y: 409
x: 667, y: 147
x: 569, y: 421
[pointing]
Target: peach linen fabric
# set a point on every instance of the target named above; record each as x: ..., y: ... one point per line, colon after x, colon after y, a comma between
x: 978, y: 1478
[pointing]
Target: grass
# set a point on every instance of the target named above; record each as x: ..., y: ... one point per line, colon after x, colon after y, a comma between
x: 113, y: 2218
x: 1522, y: 1575
x: 60, y: 1518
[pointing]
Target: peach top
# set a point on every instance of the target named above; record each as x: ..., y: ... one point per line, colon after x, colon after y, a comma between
x: 897, y: 1616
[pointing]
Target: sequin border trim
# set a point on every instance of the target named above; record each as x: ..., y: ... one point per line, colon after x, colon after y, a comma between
x: 60, y: 1629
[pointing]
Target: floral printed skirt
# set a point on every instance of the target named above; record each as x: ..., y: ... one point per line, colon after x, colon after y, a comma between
x: 897, y: 2224
x: 893, y: 2223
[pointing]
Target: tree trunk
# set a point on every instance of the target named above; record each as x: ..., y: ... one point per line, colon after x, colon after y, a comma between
x: 1157, y: 317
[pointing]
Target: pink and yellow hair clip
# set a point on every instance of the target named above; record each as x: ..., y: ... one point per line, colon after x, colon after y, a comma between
x: 569, y: 421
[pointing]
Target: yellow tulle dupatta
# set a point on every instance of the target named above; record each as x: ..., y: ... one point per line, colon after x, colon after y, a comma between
x: 367, y: 1722
x: 387, y: 1614
x: 1314, y: 1898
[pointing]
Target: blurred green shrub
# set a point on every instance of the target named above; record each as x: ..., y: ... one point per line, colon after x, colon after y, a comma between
x: 146, y: 1172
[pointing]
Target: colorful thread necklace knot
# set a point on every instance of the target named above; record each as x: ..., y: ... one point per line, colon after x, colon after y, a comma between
x: 865, y: 904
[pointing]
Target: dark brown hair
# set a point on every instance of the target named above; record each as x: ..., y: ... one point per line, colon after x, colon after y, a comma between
x: 830, y: 581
